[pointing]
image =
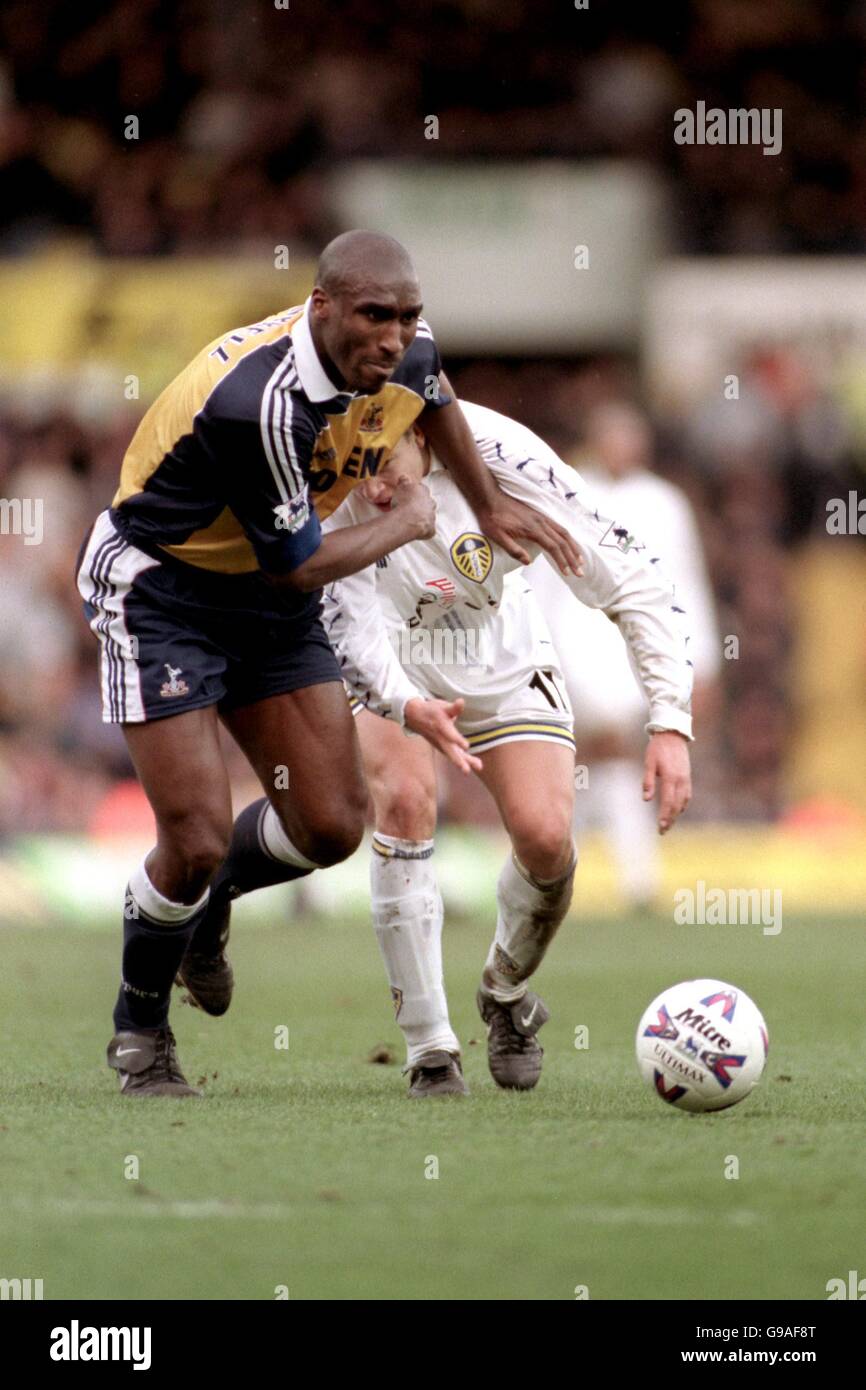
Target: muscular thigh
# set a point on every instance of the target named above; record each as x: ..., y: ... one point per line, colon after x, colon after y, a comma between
x: 181, y: 767
x: 401, y: 777
x: 303, y: 748
x: 532, y: 783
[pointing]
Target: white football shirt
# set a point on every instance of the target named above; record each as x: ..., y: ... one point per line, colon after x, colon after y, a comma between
x: 459, y: 580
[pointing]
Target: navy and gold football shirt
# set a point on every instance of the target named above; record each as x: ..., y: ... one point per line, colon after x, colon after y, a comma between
x: 238, y: 458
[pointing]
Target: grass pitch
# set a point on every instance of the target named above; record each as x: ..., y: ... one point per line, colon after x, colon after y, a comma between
x: 308, y: 1169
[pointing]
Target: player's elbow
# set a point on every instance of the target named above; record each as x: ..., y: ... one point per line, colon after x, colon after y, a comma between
x: 301, y: 580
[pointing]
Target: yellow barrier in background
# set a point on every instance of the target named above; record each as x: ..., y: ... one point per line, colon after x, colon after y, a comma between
x: 68, y: 316
x: 60, y: 878
x: 828, y: 752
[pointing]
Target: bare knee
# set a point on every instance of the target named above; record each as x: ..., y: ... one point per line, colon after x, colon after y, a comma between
x: 335, y: 840
x: 405, y: 806
x: 191, y: 846
x: 544, y: 845
x: 334, y: 833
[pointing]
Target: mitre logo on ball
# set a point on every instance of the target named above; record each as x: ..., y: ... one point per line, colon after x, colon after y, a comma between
x: 705, y: 1069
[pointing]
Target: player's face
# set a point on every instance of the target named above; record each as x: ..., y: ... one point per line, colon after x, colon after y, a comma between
x: 624, y: 446
x: 406, y: 460
x: 365, y: 332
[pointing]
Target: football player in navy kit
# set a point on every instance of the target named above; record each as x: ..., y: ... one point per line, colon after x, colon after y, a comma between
x: 202, y: 581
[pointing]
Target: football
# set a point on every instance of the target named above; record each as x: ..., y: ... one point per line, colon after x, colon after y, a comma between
x: 702, y: 1045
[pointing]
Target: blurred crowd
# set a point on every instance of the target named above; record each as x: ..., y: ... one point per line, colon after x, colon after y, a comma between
x: 239, y: 107
x: 757, y: 494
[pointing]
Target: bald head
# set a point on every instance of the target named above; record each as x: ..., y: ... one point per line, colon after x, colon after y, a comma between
x: 364, y: 309
x: 358, y: 259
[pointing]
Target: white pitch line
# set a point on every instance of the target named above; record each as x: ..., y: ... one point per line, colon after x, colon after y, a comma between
x: 205, y: 1210
x: 145, y: 1206
x: 645, y: 1216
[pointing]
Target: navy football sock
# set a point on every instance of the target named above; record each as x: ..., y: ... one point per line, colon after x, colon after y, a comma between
x: 247, y: 866
x: 152, y: 953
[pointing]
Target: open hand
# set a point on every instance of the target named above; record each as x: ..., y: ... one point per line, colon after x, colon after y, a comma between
x: 667, y: 760
x: 508, y: 522
x: 436, y: 720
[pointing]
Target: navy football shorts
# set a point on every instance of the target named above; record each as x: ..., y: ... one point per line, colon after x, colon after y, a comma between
x: 174, y: 638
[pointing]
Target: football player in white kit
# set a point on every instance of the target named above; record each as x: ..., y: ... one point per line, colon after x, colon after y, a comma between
x: 445, y: 638
x: 609, y: 708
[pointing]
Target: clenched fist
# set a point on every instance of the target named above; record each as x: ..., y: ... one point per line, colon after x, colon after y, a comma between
x: 416, y: 507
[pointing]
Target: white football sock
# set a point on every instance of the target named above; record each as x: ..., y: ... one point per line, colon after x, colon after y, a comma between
x: 154, y: 905
x: 277, y: 842
x: 530, y: 911
x: 407, y: 916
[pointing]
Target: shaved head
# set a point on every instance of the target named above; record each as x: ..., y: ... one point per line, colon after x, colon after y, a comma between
x: 358, y: 259
x: 364, y: 309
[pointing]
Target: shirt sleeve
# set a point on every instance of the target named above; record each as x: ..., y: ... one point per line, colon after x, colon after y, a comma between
x: 355, y: 623
x: 267, y: 482
x: 694, y: 582
x: 420, y: 368
x: 621, y: 577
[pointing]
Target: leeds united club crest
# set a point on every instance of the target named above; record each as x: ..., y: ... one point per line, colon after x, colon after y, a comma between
x: 473, y: 556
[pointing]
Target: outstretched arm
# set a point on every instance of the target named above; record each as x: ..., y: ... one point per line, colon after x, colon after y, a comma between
x: 628, y: 583
x: 503, y: 519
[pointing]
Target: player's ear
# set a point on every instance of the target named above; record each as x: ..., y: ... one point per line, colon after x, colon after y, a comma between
x: 419, y: 436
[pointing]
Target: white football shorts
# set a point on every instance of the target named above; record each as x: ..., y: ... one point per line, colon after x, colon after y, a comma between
x: 505, y: 669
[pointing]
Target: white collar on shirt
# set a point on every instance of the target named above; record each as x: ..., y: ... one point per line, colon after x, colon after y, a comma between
x: 317, y: 384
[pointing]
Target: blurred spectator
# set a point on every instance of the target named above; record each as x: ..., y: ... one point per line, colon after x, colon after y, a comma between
x: 235, y: 105
x: 609, y: 707
x: 240, y: 110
